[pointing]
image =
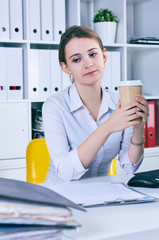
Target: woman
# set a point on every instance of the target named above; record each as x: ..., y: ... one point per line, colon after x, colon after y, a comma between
x: 85, y: 126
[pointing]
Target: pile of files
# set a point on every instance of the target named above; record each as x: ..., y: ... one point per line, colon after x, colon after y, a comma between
x: 37, y: 124
x: 24, y: 233
x: 30, y: 211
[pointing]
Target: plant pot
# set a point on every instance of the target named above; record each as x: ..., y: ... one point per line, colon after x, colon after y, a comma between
x: 106, y: 31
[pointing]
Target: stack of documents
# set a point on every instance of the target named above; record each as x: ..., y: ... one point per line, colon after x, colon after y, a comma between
x: 34, y: 214
x: 33, y: 233
x: 29, y: 209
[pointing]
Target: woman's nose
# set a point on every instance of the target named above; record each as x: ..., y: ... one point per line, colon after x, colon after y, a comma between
x: 88, y: 63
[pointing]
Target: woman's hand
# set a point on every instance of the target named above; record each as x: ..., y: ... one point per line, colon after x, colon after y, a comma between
x: 127, y: 116
x: 143, y: 112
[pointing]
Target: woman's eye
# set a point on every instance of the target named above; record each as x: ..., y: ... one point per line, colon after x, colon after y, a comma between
x: 76, y: 60
x: 92, y: 54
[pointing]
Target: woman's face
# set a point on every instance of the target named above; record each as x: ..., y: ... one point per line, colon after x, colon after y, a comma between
x: 85, y: 60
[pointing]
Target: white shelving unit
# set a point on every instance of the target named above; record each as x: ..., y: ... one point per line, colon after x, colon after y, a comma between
x: 138, y: 18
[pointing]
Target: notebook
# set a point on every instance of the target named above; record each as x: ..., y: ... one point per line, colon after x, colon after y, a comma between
x: 145, y: 40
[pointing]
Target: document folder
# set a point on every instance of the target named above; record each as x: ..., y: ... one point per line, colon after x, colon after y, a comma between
x: 157, y: 121
x: 112, y: 75
x: 107, y: 77
x: 16, y: 19
x: 34, y: 20
x: 151, y: 125
x: 145, y: 135
x: 15, y: 73
x: 31, y: 193
x: 4, y: 19
x: 58, y: 19
x: 3, y: 74
x: 116, y: 71
x: 40, y: 74
x: 34, y: 84
x: 56, y: 73
x: 46, y: 20
x: 44, y: 73
x: 102, y: 193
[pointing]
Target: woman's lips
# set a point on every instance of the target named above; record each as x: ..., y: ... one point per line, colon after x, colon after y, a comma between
x: 91, y: 73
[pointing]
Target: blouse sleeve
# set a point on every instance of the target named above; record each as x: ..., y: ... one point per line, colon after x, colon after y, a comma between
x: 123, y: 154
x: 66, y: 160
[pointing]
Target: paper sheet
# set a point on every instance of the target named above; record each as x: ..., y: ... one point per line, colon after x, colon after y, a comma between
x: 89, y: 194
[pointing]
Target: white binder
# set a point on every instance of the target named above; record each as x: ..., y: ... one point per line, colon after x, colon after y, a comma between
x: 15, y: 73
x: 4, y: 19
x: 116, y: 71
x: 46, y: 20
x: 58, y: 19
x: 73, y: 12
x: 55, y: 72
x: 34, y: 85
x: 106, y: 82
x: 34, y: 20
x: 45, y: 73
x: 65, y: 80
x: 3, y: 74
x: 16, y: 23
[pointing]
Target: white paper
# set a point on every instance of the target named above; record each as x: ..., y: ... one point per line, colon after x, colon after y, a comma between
x: 89, y: 194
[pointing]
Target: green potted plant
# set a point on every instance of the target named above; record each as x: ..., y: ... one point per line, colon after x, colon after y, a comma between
x: 105, y: 24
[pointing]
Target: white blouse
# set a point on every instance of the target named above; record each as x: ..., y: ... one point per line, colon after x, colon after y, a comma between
x: 68, y: 123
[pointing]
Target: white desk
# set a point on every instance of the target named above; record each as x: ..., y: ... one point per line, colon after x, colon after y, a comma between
x: 125, y: 222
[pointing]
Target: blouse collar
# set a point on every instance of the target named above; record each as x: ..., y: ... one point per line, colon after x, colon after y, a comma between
x: 76, y: 102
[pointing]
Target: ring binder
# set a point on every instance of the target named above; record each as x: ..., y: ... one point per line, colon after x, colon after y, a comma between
x: 131, y: 201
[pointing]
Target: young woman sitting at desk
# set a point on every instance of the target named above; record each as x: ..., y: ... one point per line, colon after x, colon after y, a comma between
x: 85, y: 126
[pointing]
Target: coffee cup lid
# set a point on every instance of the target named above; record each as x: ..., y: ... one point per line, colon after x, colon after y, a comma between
x: 130, y: 83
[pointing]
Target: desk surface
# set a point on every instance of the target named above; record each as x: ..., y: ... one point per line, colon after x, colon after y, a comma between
x: 125, y: 222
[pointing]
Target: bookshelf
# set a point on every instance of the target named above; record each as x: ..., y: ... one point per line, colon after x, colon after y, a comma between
x: 137, y: 61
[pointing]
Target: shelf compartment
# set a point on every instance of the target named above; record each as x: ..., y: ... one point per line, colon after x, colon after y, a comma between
x: 142, y: 64
x: 142, y: 18
x: 89, y: 8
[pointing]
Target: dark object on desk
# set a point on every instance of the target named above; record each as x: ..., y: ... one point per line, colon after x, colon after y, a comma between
x: 145, y: 40
x: 148, y: 179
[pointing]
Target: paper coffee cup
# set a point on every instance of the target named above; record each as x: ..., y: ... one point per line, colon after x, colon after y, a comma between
x: 128, y: 91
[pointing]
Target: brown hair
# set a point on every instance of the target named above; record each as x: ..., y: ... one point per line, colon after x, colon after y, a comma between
x: 76, y: 32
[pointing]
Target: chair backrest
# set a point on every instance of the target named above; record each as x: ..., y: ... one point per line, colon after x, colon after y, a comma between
x: 112, y: 170
x: 37, y: 161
